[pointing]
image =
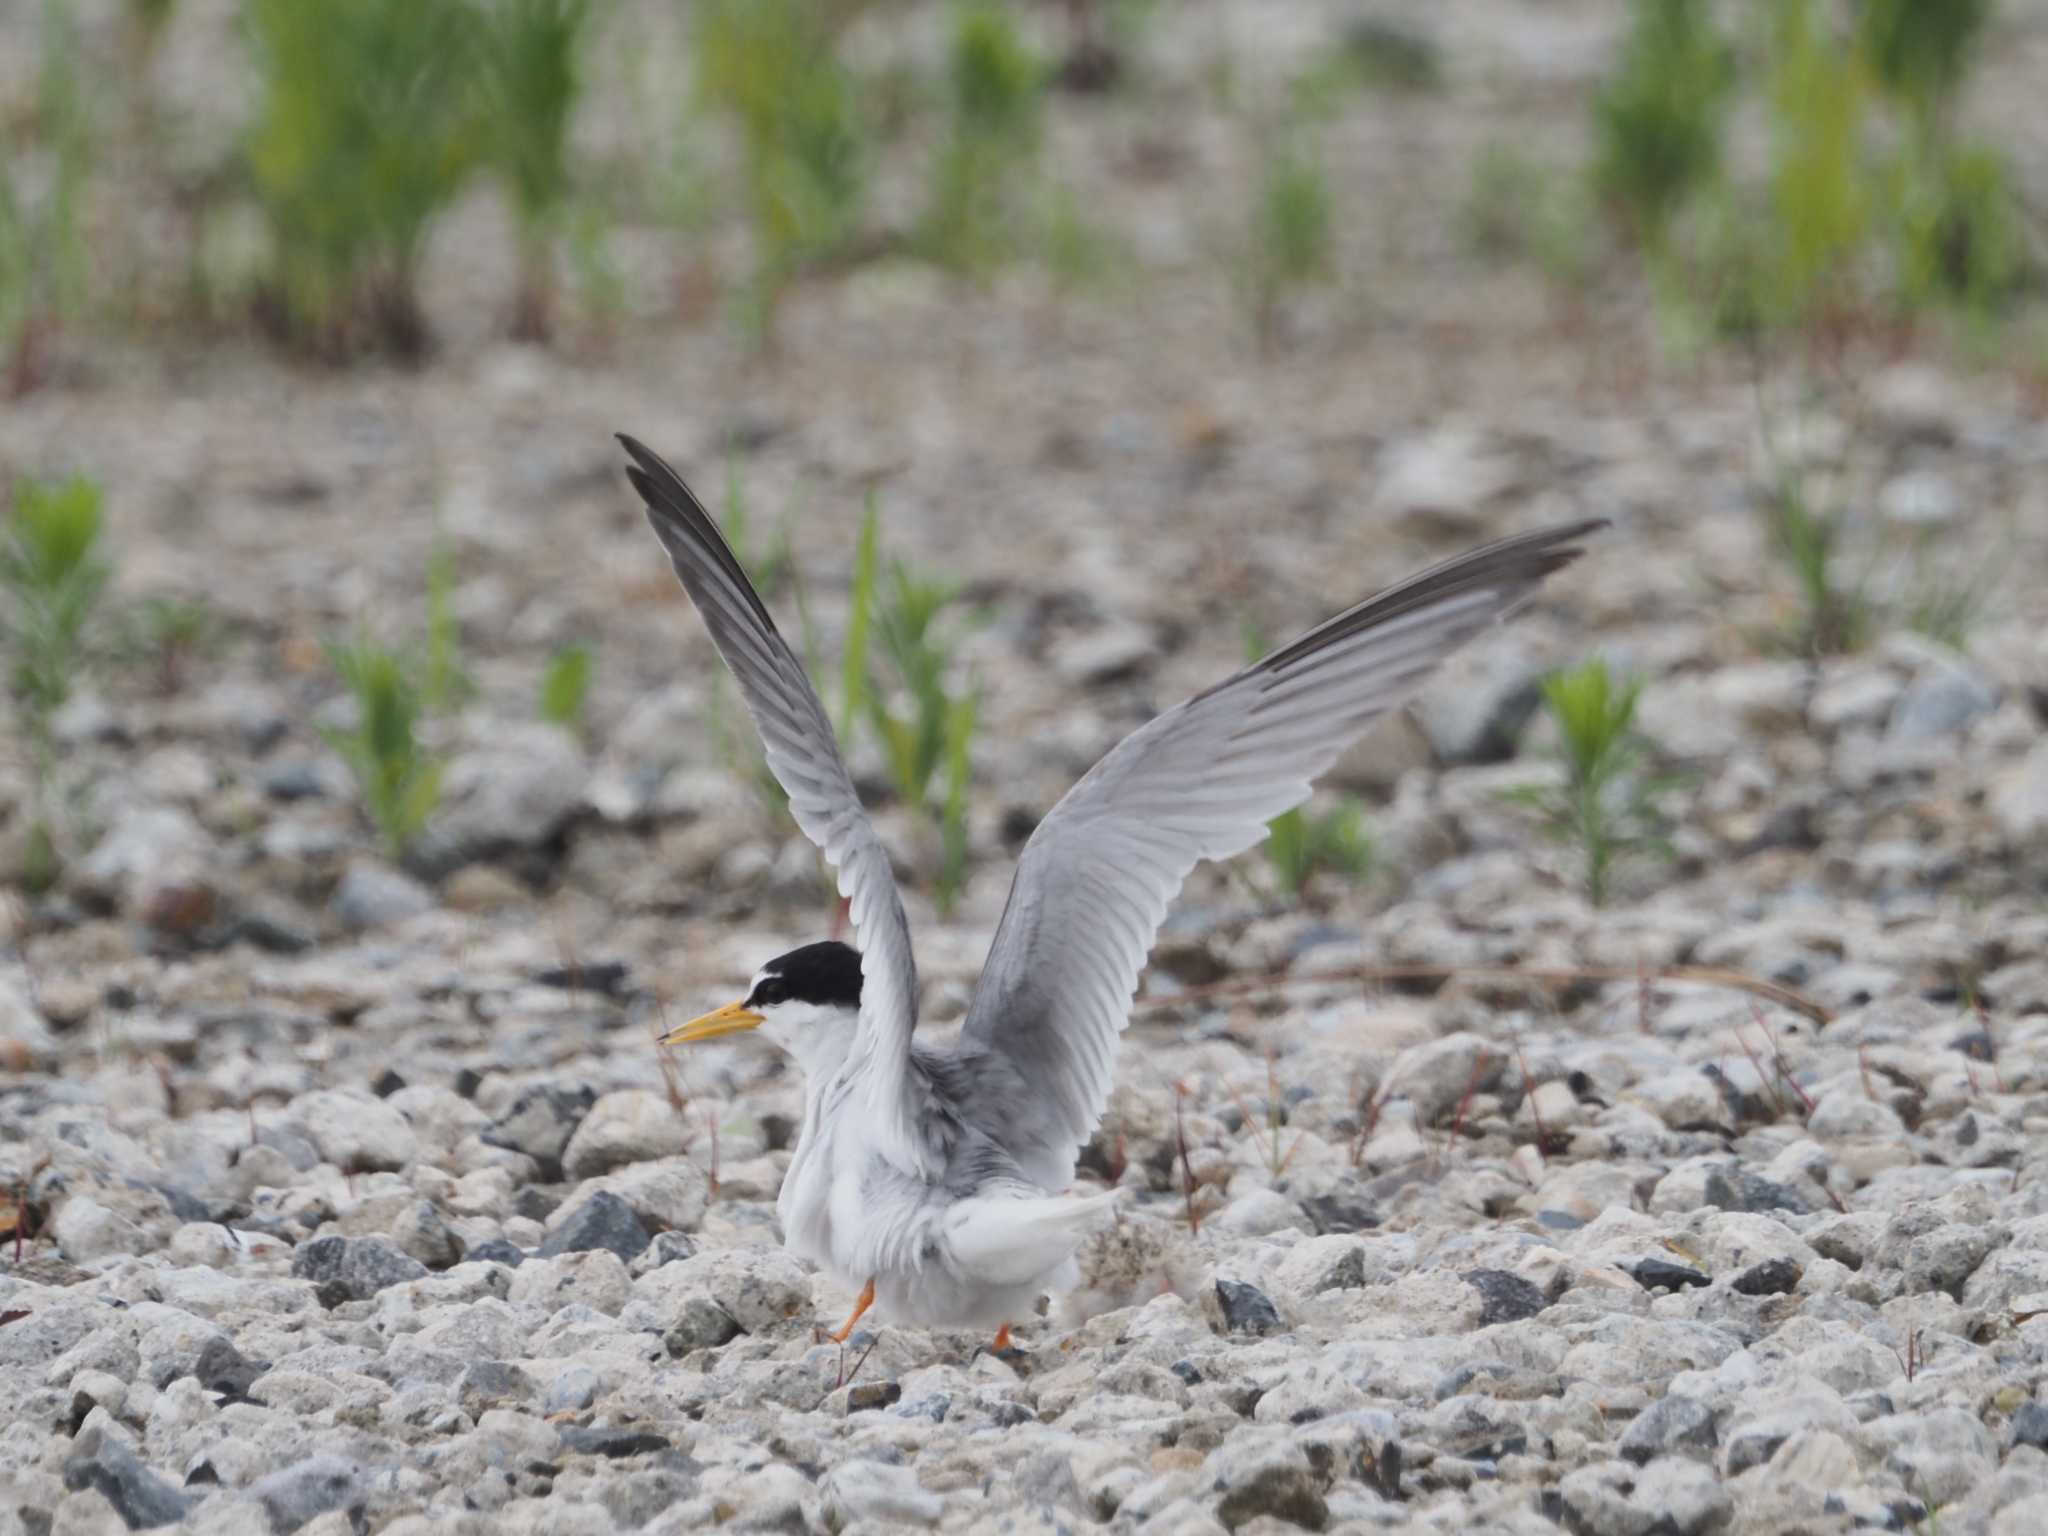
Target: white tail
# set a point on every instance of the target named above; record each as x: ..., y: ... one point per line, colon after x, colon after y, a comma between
x: 1005, y: 1240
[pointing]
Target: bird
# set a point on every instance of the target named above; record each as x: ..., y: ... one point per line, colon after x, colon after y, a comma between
x: 937, y: 1180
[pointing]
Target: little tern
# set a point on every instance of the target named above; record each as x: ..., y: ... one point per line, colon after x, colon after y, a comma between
x: 931, y: 1178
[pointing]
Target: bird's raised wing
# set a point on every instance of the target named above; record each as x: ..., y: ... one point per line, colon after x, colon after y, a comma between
x: 804, y: 757
x: 1199, y: 782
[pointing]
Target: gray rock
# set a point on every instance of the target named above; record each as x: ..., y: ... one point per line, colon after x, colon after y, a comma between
x: 495, y: 1250
x: 539, y: 1122
x: 600, y: 1220
x: 1246, y: 1308
x: 345, y: 1269
x: 294, y: 1495
x: 514, y: 795
x: 1773, y: 1277
x: 1674, y: 1424
x: 632, y: 1125
x: 1944, y: 698
x: 357, y: 1132
x: 225, y: 1369
x: 1505, y: 1297
x: 101, y: 1460
x: 1478, y: 716
x: 1919, y: 498
x: 614, y: 1441
x: 371, y: 895
x: 572, y: 1391
x: 25, y: 1036
x: 891, y: 1496
x: 2029, y: 1425
x: 491, y: 1384
x: 701, y: 1324
x: 2019, y: 796
x: 1111, y: 654
x: 1437, y: 484
x: 145, y: 849
x: 1271, y: 1480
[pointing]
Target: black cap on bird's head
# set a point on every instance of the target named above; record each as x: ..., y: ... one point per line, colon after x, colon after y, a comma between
x: 790, y: 995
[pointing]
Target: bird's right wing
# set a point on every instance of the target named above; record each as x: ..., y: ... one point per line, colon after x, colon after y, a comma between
x: 804, y: 756
x: 1199, y: 782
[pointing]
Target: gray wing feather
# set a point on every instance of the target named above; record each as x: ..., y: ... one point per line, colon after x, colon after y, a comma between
x: 804, y: 757
x: 1199, y: 782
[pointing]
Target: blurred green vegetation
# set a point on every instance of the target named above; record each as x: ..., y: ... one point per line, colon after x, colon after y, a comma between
x: 398, y: 777
x: 366, y: 132
x: 1864, y: 202
x: 1605, y: 804
x: 1868, y: 205
x: 52, y: 576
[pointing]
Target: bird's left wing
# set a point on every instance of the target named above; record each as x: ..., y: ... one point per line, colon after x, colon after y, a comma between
x: 1199, y: 782
x: 804, y: 757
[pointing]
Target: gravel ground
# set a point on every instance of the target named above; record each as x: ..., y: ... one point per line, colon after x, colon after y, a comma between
x: 354, y: 1197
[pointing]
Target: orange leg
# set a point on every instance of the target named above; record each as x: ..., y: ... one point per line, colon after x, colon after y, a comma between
x: 867, y: 1299
x: 1002, y: 1340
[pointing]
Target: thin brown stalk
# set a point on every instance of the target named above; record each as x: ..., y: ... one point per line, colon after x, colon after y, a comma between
x: 1187, y: 1170
x: 1778, y: 1061
x: 1465, y: 1099
x: 1529, y: 1092
x: 1769, y: 1082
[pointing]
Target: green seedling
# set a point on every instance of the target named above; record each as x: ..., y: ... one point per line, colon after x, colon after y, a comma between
x: 1604, y: 804
x: 1515, y: 209
x: 1836, y: 613
x: 1302, y: 844
x: 398, y: 778
x: 1386, y: 56
x: 172, y: 632
x: 1293, y: 239
x: 565, y: 688
x: 1821, y: 198
x: 918, y: 718
x: 962, y: 715
x: 1657, y: 121
x: 53, y: 576
x: 44, y: 267
x: 772, y: 66
x: 530, y: 59
x: 366, y: 131
x: 1920, y: 52
x: 983, y: 176
x: 445, y: 684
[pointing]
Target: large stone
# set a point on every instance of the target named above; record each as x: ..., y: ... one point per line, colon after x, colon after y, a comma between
x: 539, y: 1122
x: 297, y: 1494
x: 515, y: 794
x: 347, y: 1269
x: 103, y: 1461
x: 889, y: 1496
x: 599, y: 1220
x: 371, y: 895
x: 357, y: 1132
x: 2019, y: 796
x: 632, y: 1125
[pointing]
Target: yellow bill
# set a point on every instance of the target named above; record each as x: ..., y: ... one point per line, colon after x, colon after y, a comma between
x: 729, y: 1020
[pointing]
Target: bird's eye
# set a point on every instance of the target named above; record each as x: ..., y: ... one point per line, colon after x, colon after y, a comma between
x: 767, y: 994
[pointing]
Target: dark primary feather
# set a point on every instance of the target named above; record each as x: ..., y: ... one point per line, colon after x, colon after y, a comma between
x: 804, y: 757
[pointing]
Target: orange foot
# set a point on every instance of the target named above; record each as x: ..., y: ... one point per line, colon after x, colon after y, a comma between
x: 867, y: 1299
x: 1002, y: 1342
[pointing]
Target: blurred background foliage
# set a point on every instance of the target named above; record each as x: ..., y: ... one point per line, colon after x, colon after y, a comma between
x: 1761, y: 171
